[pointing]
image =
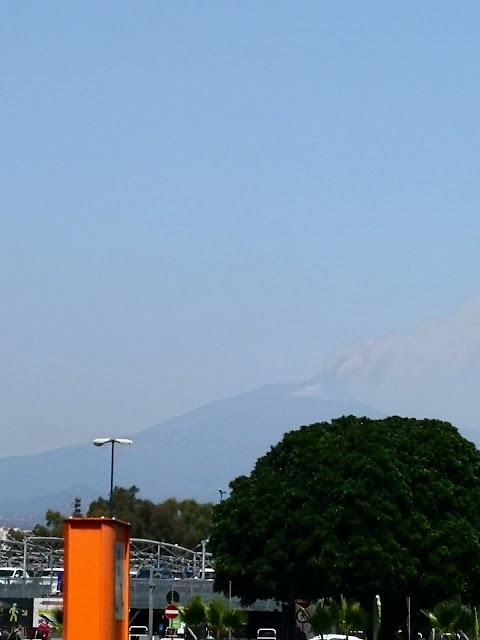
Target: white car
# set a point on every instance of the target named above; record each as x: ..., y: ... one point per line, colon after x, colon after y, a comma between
x: 12, y: 574
x: 336, y: 636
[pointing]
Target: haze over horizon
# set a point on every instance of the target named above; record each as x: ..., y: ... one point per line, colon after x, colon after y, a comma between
x: 202, y: 198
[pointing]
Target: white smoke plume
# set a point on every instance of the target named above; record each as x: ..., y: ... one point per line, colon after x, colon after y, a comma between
x: 431, y: 371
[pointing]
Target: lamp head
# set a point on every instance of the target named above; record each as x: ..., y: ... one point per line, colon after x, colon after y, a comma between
x: 98, y: 442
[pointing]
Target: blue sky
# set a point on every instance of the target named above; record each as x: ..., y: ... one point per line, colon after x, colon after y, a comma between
x: 202, y: 197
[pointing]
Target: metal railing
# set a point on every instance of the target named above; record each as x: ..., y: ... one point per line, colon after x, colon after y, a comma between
x: 34, y: 554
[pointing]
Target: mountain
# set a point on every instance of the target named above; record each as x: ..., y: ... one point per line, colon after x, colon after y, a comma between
x: 190, y: 456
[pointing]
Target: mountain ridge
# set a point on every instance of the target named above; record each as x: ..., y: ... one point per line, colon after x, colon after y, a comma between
x: 191, y: 455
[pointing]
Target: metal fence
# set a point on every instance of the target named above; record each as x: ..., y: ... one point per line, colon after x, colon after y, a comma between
x: 186, y: 570
x: 35, y: 554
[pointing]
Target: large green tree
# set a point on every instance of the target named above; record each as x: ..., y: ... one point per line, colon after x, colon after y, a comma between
x: 357, y: 507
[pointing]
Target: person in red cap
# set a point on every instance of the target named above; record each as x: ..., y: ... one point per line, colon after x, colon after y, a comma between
x: 43, y: 630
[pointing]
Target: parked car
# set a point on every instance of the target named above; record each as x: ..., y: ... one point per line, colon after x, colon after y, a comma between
x: 52, y: 580
x: 160, y: 573
x: 336, y: 636
x: 12, y: 574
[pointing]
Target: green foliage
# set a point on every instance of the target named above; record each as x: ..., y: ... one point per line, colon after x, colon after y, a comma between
x: 324, y: 616
x: 215, y: 622
x: 56, y: 615
x: 194, y: 614
x: 475, y: 632
x: 358, y: 507
x: 451, y: 616
x: 54, y: 525
x: 221, y: 618
x: 351, y: 617
x: 184, y: 522
x: 16, y: 534
x: 127, y: 507
x: 218, y: 616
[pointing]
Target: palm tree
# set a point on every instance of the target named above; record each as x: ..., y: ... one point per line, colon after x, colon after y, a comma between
x: 194, y: 615
x: 55, y: 619
x: 449, y: 616
x: 475, y: 628
x: 323, y: 617
x: 351, y: 617
x: 218, y: 617
x: 221, y: 618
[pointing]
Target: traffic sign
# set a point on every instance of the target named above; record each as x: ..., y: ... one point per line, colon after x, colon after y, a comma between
x: 303, y: 603
x: 302, y: 616
x: 171, y: 612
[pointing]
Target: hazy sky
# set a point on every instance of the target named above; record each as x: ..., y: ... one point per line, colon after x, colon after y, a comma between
x: 198, y: 198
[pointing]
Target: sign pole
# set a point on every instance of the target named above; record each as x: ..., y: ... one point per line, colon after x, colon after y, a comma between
x: 171, y: 613
x: 151, y: 589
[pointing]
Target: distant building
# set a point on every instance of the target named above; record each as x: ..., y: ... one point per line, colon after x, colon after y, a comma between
x: 4, y: 533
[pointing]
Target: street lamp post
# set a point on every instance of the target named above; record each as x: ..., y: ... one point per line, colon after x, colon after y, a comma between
x: 222, y: 493
x: 204, y: 556
x: 99, y: 442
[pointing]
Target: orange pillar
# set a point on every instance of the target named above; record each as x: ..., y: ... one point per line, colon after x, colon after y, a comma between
x: 96, y: 581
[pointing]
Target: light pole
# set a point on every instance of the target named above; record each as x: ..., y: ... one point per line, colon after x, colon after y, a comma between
x: 204, y: 556
x: 99, y: 442
x: 222, y: 493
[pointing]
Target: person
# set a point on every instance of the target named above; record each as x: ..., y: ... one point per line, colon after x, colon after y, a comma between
x: 43, y: 630
x: 16, y: 632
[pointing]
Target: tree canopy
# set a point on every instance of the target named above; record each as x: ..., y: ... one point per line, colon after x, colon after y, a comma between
x: 54, y: 525
x: 357, y: 507
x: 184, y: 522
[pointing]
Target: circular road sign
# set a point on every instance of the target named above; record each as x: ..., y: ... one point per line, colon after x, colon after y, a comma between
x: 303, y: 603
x: 302, y: 616
x: 171, y: 611
x: 172, y: 596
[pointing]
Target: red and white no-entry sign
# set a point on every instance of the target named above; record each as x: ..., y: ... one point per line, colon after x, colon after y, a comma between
x: 171, y: 611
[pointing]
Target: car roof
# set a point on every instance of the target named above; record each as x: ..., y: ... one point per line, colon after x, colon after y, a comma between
x: 336, y: 636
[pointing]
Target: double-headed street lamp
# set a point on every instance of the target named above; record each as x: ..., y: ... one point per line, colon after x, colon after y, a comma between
x: 99, y: 442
